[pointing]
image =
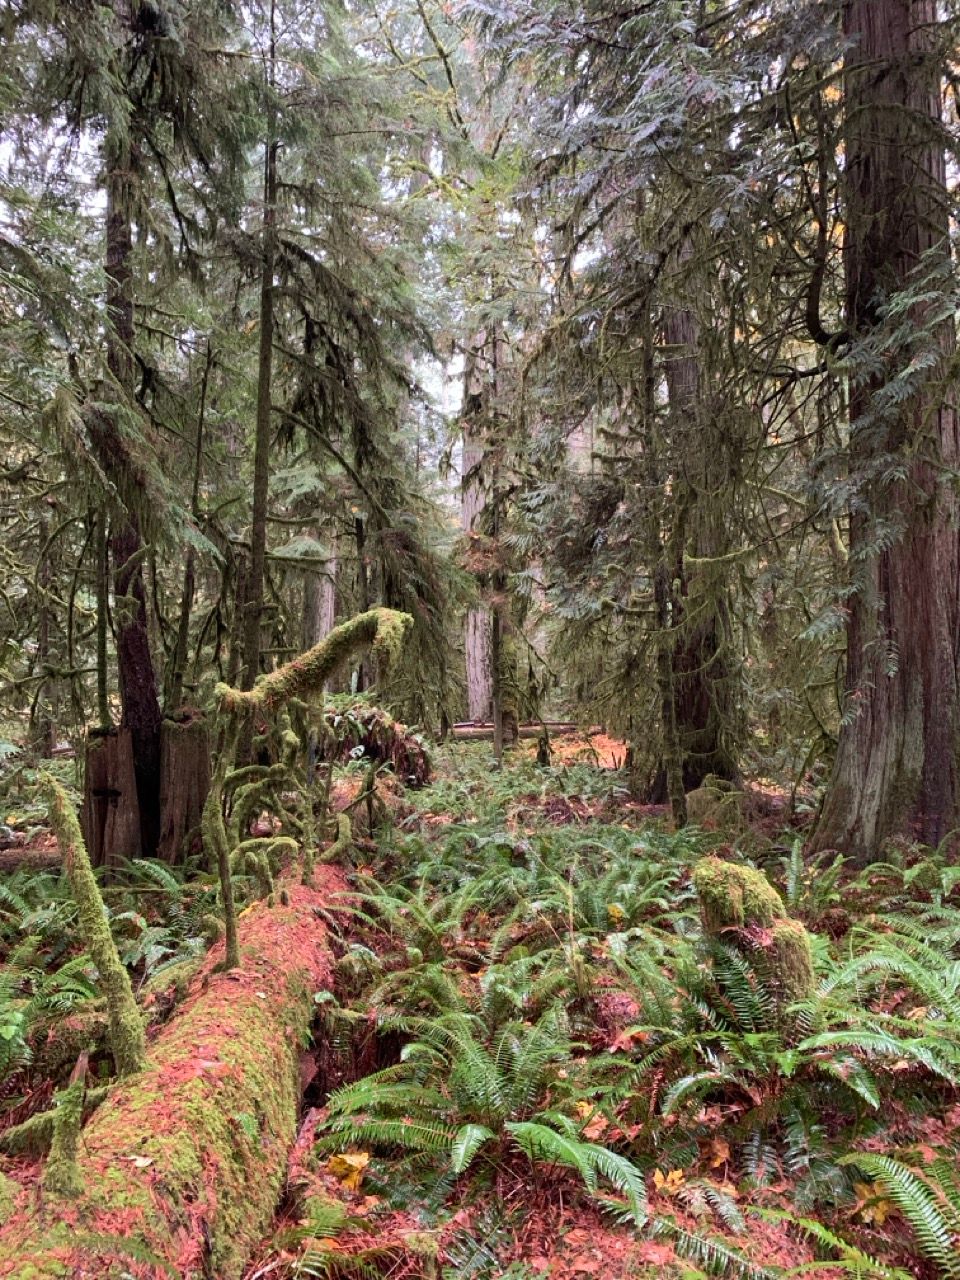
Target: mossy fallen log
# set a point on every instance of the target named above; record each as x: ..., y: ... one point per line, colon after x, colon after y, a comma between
x: 181, y: 1166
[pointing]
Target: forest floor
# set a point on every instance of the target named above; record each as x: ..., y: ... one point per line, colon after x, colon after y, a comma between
x: 531, y: 1064
x: 572, y: 873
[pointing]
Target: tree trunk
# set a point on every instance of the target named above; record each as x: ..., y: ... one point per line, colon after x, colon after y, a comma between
x: 178, y: 663
x: 319, y: 603
x: 363, y: 592
x: 43, y: 711
x: 261, y: 454
x: 897, y: 758
x: 673, y: 758
x: 184, y: 781
x: 138, y: 686
x: 704, y: 709
x: 478, y: 637
x: 103, y: 620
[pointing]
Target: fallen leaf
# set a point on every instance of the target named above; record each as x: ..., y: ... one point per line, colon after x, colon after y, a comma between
x: 668, y: 1183
x: 348, y: 1168
x: 719, y: 1153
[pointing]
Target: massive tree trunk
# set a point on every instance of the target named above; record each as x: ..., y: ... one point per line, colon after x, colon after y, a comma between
x: 897, y: 760
x: 703, y: 684
x: 478, y: 639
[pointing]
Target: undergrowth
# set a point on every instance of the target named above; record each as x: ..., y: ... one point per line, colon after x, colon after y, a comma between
x: 561, y: 1011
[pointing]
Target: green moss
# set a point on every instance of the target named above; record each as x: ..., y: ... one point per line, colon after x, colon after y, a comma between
x: 340, y: 849
x: 305, y: 676
x: 127, y: 1039
x: 61, y: 1175
x: 732, y: 896
x: 792, y: 960
x: 179, y: 975
x: 716, y: 805
x: 191, y: 1154
x: 34, y: 1135
x: 88, y: 1028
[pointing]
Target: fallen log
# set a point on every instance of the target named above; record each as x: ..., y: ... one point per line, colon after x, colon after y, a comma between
x: 476, y: 732
x: 181, y: 1166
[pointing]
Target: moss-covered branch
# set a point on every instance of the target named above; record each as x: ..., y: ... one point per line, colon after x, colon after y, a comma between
x: 127, y: 1039
x: 253, y: 786
x: 342, y: 844
x: 304, y: 677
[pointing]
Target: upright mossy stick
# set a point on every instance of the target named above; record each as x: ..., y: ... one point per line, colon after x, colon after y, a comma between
x: 216, y: 843
x: 127, y: 1039
x: 61, y: 1176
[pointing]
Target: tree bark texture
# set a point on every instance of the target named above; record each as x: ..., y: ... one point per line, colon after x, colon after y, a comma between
x: 184, y: 781
x: 704, y: 696
x: 478, y: 637
x: 896, y: 769
x: 110, y: 817
x: 138, y: 685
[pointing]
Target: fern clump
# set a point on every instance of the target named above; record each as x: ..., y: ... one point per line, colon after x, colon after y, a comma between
x: 465, y: 1096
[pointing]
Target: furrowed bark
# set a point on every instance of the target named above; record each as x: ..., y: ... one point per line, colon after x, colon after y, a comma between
x: 138, y: 685
x: 182, y: 1165
x: 897, y: 770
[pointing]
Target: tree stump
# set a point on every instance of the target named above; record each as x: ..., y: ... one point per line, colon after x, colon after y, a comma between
x: 111, y: 812
x: 184, y: 780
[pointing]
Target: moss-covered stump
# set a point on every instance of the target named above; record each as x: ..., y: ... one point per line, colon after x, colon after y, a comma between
x: 732, y: 896
x: 182, y: 1164
x: 738, y: 905
x: 716, y: 805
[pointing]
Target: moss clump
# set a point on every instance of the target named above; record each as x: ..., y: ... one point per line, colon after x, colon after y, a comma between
x: 340, y: 849
x: 127, y: 1038
x: 61, y: 1176
x: 86, y: 1029
x: 792, y: 960
x: 740, y: 905
x: 717, y: 805
x: 732, y: 896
